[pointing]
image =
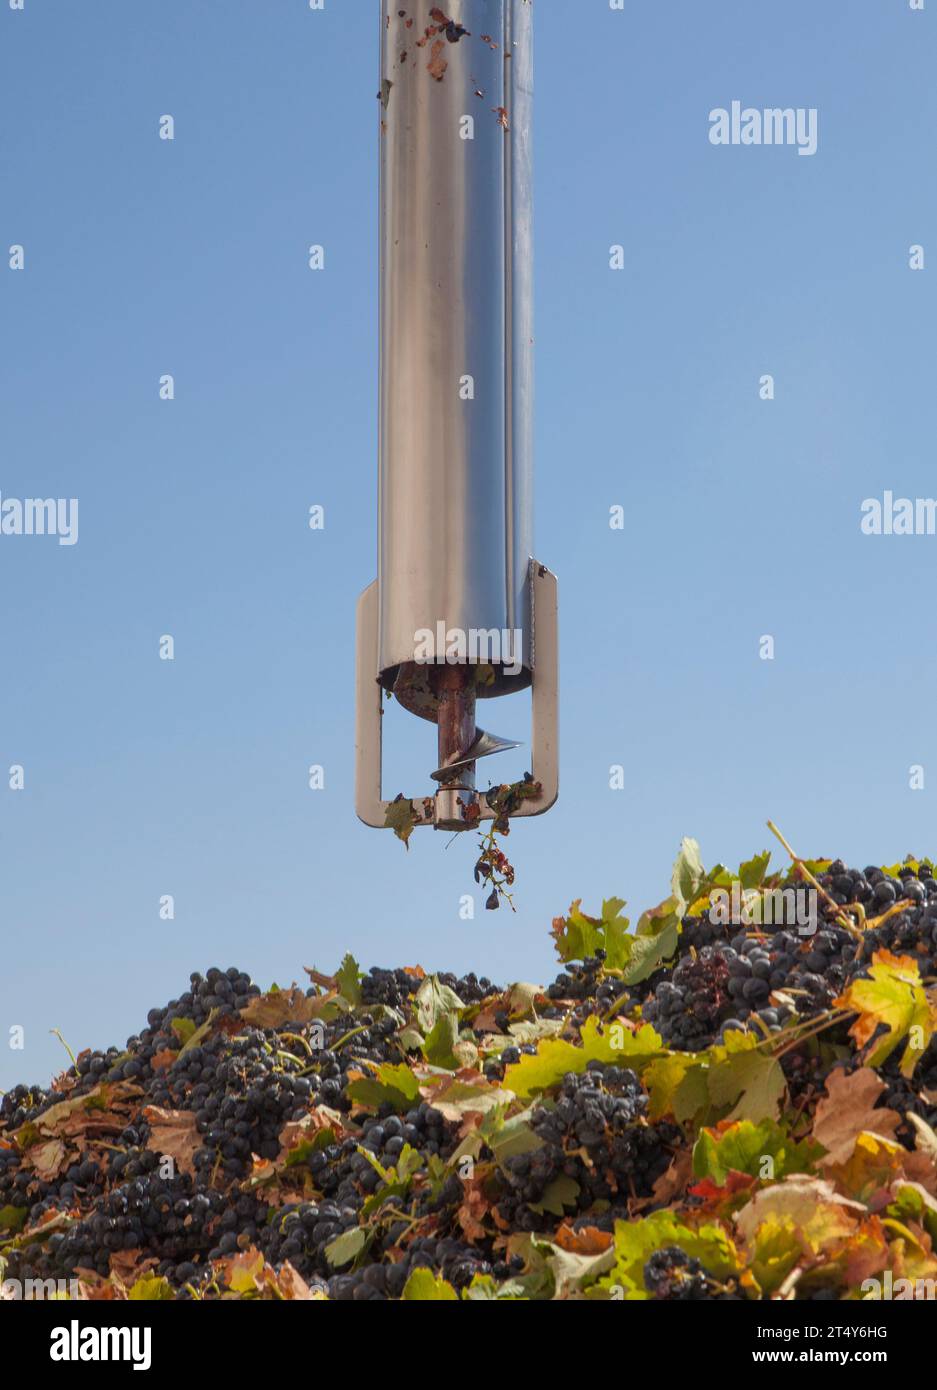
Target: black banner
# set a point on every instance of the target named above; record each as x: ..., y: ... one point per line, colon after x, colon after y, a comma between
x: 157, y: 1337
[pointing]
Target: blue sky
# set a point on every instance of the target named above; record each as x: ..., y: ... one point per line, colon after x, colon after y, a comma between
x: 146, y: 257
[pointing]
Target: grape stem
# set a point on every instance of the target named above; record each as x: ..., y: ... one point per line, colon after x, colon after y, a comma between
x: 297, y: 1037
x: 844, y: 921
x: 71, y: 1054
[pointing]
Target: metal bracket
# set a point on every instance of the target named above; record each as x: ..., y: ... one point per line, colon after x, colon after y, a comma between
x: 369, y: 711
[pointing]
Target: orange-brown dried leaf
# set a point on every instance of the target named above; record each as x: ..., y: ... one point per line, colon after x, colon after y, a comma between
x: 891, y: 996
x: 173, y: 1133
x: 129, y: 1265
x: 500, y: 1222
x: 293, y: 1287
x: 437, y: 65
x: 919, y: 1167
x: 672, y: 1185
x: 847, y: 1110
x: 866, y: 1253
x: 311, y: 1124
x: 818, y: 1213
x: 475, y: 1207
x: 874, y: 1164
x: 242, y: 1273
x: 48, y: 1159
x: 723, y: 1201
x: 284, y: 1006
x: 318, y: 978
x: 588, y: 1240
x: 100, y: 1113
x: 93, y: 1289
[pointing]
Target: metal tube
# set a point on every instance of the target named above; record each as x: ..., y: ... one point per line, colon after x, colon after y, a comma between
x: 455, y: 691
x: 456, y: 339
x: 457, y: 586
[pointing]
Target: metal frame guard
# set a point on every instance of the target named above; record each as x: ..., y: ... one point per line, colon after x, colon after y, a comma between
x: 370, y: 805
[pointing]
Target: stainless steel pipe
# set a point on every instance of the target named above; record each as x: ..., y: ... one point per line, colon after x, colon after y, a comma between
x: 460, y: 610
x: 456, y: 394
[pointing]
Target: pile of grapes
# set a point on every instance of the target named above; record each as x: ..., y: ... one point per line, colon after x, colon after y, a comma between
x: 668, y: 1120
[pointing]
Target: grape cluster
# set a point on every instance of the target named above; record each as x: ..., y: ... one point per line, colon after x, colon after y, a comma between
x: 579, y: 981
x: 494, y: 1067
x: 21, y: 1104
x: 586, y: 985
x: 670, y: 1274
x: 388, y: 987
x: 166, y: 1217
x: 452, y: 1259
x: 470, y: 988
x: 729, y: 984
x: 393, y: 988
x: 595, y: 1134
x: 241, y: 1103
x: 688, y: 1007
